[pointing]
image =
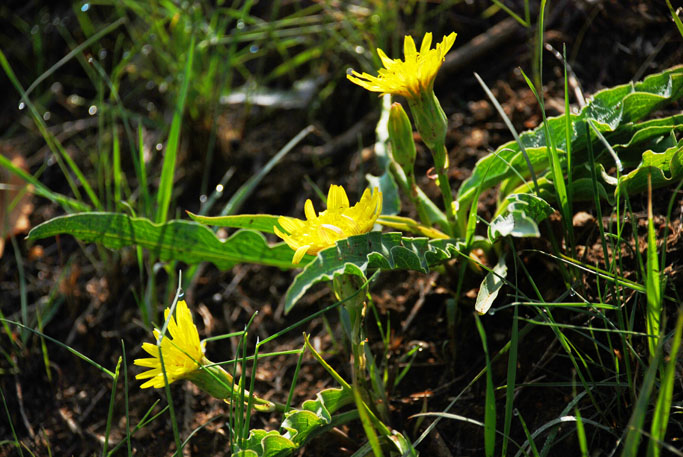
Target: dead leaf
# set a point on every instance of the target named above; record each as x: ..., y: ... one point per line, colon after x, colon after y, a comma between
x: 15, y: 198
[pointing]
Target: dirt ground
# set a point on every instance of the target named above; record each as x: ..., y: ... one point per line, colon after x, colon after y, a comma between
x: 62, y: 409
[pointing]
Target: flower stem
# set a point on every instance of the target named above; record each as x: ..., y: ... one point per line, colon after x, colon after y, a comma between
x: 444, y: 186
x: 409, y: 186
x: 414, y: 196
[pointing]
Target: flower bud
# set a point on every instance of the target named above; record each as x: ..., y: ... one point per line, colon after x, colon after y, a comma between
x: 213, y: 380
x: 401, y: 136
x: 430, y: 121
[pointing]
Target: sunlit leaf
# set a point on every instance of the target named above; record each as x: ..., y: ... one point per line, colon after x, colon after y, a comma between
x: 187, y: 241
x: 374, y: 250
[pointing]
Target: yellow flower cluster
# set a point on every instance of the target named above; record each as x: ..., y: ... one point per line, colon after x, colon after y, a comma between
x: 339, y: 221
x: 409, y: 77
x: 181, y: 350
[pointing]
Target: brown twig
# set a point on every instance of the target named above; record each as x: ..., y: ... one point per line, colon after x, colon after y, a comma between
x: 347, y: 139
x: 424, y: 290
x: 479, y: 46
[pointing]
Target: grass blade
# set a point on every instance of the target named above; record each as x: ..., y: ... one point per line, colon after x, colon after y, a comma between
x: 168, y: 167
x: 64, y: 346
x: 554, y: 160
x: 511, y: 380
x: 67, y: 203
x: 52, y: 142
x: 16, y: 443
x: 110, y: 411
x: 510, y: 127
x: 74, y: 52
x: 660, y: 418
x: 674, y: 16
x: 635, y: 423
x: 367, y: 424
x: 245, y: 191
x: 652, y: 284
x: 581, y: 434
x: 490, y: 405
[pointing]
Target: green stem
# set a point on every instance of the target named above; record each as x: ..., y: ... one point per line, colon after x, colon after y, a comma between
x: 412, y: 192
x: 409, y: 187
x: 445, y: 187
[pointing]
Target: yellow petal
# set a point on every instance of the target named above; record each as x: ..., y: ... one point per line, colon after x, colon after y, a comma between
x: 309, y: 210
x: 386, y: 61
x: 337, y: 198
x: 299, y: 254
x: 446, y: 44
x: 289, y: 224
x: 426, y: 43
x: 147, y: 362
x: 151, y: 349
x: 152, y: 383
x: 409, y: 51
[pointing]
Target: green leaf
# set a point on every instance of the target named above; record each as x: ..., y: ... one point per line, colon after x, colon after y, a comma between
x: 514, y: 223
x: 276, y: 445
x: 261, y: 443
x: 391, y: 202
x: 374, y: 250
x: 186, y: 241
x: 490, y: 286
x: 522, y: 214
x: 664, y: 167
x: 403, y: 445
x: 68, y: 204
x: 261, y: 222
x: 247, y: 453
x: 655, y: 134
x: 615, y: 112
x: 406, y: 224
x: 582, y: 190
x: 327, y: 402
x: 299, y: 425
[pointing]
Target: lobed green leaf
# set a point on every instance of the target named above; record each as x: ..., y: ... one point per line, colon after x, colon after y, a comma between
x: 374, y: 250
x: 299, y: 425
x: 186, y: 241
x: 615, y: 112
x: 522, y: 213
x: 261, y: 222
x: 663, y: 167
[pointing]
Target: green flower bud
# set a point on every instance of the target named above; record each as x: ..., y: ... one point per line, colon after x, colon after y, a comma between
x: 430, y: 121
x: 215, y: 381
x: 401, y: 136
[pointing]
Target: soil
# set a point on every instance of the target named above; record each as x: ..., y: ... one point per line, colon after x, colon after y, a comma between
x: 58, y: 404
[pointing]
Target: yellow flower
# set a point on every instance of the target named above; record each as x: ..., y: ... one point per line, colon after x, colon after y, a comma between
x: 183, y: 355
x: 182, y: 351
x: 339, y: 221
x: 409, y: 77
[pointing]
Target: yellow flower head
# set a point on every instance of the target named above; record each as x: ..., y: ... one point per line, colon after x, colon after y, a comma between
x: 181, y: 349
x: 411, y: 76
x: 339, y: 221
